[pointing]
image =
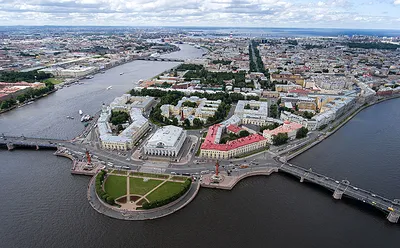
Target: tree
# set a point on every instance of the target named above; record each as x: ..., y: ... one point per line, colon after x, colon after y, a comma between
x: 301, y: 133
x: 174, y: 121
x: 247, y: 106
x: 197, y: 122
x: 244, y: 133
x: 280, y: 139
x: 186, y: 123
x: 273, y: 111
x: 21, y: 98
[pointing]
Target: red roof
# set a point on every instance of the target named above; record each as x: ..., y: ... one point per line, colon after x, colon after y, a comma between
x: 299, y: 91
x: 209, y: 142
x: 233, y: 128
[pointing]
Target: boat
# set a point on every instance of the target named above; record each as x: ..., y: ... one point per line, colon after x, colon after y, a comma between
x: 70, y: 117
x: 30, y: 102
x: 109, y: 87
x: 102, y: 72
x: 121, y: 73
x: 86, y: 118
x: 80, y: 112
x: 89, y: 77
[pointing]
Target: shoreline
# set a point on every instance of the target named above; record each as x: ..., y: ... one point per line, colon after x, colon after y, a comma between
x: 290, y: 155
x: 25, y: 103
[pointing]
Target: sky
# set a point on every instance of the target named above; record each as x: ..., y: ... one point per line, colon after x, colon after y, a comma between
x: 366, y: 14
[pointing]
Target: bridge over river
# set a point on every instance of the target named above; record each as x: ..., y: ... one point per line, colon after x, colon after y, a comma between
x: 160, y: 59
x: 344, y: 188
x: 339, y: 188
x: 12, y: 142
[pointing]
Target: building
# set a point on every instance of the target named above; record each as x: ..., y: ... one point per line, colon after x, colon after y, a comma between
x: 203, y: 109
x: 290, y: 128
x: 132, y: 133
x: 287, y: 77
x: 212, y: 149
x: 252, y: 112
x: 166, y: 141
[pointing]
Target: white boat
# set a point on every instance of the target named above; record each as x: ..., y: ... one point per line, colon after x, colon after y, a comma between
x: 80, y: 112
x: 121, y: 73
x: 109, y: 87
x: 70, y: 117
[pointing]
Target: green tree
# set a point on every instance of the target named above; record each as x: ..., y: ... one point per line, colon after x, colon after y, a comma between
x: 197, y: 122
x: 280, y: 139
x: 174, y: 121
x: 21, y: 98
x: 243, y: 133
x: 273, y: 111
x: 301, y: 133
x: 186, y: 123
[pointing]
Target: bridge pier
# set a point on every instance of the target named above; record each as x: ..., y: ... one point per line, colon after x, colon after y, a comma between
x: 337, y: 194
x: 301, y: 179
x: 37, y: 147
x: 10, y: 146
x: 393, y: 217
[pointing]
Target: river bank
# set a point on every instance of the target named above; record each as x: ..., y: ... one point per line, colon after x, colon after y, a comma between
x: 292, y: 153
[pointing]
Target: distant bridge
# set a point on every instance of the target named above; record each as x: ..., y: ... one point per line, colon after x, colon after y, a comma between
x: 344, y: 188
x: 12, y: 142
x: 160, y: 59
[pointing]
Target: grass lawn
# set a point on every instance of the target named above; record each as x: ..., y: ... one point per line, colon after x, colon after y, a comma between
x: 115, y: 186
x: 52, y: 80
x: 166, y: 190
x: 139, y: 187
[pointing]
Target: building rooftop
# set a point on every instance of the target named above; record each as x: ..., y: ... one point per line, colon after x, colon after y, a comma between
x: 166, y: 136
x: 214, y: 134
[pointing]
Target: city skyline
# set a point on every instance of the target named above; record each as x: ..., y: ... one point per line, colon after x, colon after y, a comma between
x: 208, y: 13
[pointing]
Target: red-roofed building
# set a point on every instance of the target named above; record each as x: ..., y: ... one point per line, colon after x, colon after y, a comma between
x: 212, y: 149
x: 233, y: 129
x: 300, y: 92
x: 288, y: 127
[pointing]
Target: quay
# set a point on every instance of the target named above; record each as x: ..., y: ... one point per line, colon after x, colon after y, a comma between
x: 340, y: 189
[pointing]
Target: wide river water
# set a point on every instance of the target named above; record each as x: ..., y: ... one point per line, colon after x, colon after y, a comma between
x: 43, y: 205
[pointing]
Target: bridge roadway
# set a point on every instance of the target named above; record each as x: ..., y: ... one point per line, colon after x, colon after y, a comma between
x: 392, y: 207
x: 160, y: 59
x: 21, y: 141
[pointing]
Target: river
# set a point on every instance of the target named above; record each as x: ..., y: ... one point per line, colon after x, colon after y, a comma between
x: 43, y: 205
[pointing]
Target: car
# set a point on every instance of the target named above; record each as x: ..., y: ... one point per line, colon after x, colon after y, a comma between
x: 373, y: 195
x: 355, y: 188
x: 373, y: 203
x: 336, y: 181
x: 390, y: 208
x: 173, y: 173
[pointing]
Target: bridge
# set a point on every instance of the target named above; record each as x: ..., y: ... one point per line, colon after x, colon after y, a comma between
x: 160, y: 59
x: 344, y: 188
x: 12, y: 142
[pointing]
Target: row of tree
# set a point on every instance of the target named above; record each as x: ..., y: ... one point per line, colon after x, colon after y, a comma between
x: 27, y: 96
x: 161, y: 202
x: 30, y: 77
x: 99, y: 188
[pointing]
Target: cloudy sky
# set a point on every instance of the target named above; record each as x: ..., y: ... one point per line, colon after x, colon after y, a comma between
x: 382, y: 14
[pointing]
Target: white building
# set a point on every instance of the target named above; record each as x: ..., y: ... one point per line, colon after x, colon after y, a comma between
x: 137, y: 128
x: 166, y: 141
x: 252, y: 112
x: 204, y: 109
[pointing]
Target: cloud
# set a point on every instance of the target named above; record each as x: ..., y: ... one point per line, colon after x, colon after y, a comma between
x: 262, y: 13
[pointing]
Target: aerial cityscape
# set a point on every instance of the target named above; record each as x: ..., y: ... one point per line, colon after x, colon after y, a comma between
x: 173, y: 133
